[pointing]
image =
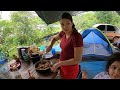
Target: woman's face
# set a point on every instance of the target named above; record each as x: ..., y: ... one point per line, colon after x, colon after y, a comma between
x: 114, y: 70
x: 66, y: 25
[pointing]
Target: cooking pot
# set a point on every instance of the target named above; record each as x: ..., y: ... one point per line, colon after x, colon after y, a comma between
x: 43, y: 70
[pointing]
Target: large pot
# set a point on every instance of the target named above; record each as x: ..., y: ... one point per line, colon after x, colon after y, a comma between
x: 40, y: 67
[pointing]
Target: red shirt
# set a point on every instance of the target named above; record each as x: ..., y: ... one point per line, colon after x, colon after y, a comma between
x: 67, y: 45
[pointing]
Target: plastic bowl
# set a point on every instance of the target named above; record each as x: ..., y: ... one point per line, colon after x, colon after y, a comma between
x: 13, y: 65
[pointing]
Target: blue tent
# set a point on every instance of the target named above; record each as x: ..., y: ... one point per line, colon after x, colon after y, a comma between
x: 95, y: 52
x: 96, y: 44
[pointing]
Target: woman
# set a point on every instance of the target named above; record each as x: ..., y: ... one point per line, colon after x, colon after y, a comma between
x: 112, y: 68
x: 72, y: 48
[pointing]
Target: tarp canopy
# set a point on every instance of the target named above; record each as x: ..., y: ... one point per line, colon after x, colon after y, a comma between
x: 53, y: 16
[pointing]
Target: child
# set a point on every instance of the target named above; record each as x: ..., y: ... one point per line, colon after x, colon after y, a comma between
x: 112, y: 68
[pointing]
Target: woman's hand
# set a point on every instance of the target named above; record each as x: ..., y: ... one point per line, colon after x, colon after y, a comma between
x: 55, y: 67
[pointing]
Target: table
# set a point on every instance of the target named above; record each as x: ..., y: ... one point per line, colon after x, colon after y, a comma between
x: 25, y: 66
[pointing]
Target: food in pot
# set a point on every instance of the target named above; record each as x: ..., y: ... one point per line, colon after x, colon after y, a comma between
x: 43, y: 66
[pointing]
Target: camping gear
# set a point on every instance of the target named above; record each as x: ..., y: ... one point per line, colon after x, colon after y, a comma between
x: 53, y: 16
x: 96, y: 50
x: 95, y: 44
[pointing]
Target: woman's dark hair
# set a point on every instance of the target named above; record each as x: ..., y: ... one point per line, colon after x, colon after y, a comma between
x: 68, y: 16
x: 114, y: 57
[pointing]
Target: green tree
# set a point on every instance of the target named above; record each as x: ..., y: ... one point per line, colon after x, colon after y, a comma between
x: 105, y: 16
x: 24, y: 27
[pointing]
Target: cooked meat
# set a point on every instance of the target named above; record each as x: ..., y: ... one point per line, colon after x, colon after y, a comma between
x: 43, y: 66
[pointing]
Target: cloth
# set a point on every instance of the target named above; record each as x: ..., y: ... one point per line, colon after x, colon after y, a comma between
x: 67, y: 52
x: 102, y: 75
x: 69, y: 72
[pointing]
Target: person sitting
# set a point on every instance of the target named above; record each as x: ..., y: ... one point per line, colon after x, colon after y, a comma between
x: 116, y: 42
x: 112, y: 68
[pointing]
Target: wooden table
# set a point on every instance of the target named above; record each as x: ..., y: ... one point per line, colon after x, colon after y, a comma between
x: 25, y: 66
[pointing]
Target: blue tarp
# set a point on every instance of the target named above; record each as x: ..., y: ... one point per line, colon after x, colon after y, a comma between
x: 57, y: 48
x: 92, y: 68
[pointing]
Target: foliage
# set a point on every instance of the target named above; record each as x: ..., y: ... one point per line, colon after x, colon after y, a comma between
x: 85, y: 20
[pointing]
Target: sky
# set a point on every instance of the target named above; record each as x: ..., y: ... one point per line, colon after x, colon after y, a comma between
x: 5, y: 15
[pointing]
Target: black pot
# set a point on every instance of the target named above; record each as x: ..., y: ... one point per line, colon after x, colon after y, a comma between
x: 44, y: 72
x: 35, y: 57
